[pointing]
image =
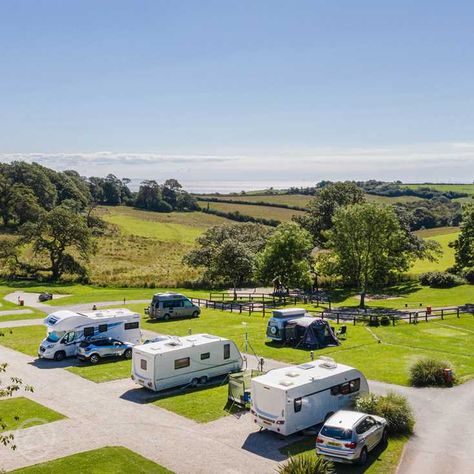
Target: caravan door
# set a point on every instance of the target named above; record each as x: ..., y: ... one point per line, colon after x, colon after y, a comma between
x: 144, y: 369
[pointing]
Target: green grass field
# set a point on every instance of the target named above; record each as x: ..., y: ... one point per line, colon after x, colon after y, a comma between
x: 299, y: 200
x: 109, y: 460
x: 461, y: 188
x: 266, y: 212
x: 20, y: 412
x: 380, y: 461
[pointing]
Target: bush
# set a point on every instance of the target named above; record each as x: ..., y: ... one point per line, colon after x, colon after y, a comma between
x: 374, y: 321
x: 393, y: 407
x: 385, y: 321
x: 440, y: 279
x: 469, y: 275
x: 306, y: 464
x: 428, y: 373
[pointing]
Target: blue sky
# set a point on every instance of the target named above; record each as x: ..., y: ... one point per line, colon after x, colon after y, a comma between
x: 240, y: 90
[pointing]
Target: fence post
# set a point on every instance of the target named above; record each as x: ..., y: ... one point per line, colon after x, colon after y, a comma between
x: 457, y: 311
x: 409, y: 318
x: 240, y: 308
x: 393, y: 320
x: 426, y: 316
x: 250, y: 308
x: 263, y: 306
x: 442, y: 316
x: 337, y: 318
x: 354, y: 320
x: 207, y: 304
x: 442, y: 313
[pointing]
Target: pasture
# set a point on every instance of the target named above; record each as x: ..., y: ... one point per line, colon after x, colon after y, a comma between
x: 300, y: 200
x: 460, y: 188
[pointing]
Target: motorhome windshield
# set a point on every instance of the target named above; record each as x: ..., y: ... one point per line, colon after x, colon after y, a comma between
x: 54, y: 336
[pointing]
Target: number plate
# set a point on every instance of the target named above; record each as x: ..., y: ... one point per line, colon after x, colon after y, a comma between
x: 266, y: 423
x: 332, y: 443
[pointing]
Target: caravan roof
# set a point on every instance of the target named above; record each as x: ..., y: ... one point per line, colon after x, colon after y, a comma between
x: 178, y: 343
x: 107, y: 313
x: 299, y: 375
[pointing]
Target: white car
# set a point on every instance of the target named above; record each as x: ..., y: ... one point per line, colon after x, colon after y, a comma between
x: 348, y: 436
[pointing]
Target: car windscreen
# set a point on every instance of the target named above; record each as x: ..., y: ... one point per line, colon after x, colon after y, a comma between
x: 336, y: 432
x: 54, y: 336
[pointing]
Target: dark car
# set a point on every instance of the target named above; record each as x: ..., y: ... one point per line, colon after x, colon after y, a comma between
x: 93, y: 350
x: 45, y: 297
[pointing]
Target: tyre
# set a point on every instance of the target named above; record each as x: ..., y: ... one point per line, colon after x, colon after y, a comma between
x: 128, y: 354
x: 166, y: 317
x: 203, y: 380
x: 196, y: 314
x: 94, y: 358
x: 60, y: 355
x: 363, y: 457
x: 194, y: 382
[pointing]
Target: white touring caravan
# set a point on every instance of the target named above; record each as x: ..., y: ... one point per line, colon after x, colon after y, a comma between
x: 184, y: 360
x: 294, y: 398
x: 66, y: 329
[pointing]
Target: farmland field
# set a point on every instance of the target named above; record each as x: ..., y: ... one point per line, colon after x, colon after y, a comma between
x: 299, y: 200
x: 461, y: 188
x: 265, y: 212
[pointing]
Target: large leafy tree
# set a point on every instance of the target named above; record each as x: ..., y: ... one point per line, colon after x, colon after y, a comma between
x: 286, y: 257
x: 227, y: 253
x: 320, y: 210
x: 464, y: 245
x: 369, y: 245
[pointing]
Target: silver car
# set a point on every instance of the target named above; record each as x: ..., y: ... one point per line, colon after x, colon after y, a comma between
x: 348, y: 436
x: 93, y: 350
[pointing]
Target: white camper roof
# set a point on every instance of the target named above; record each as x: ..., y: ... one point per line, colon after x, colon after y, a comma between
x: 298, y: 375
x: 169, y: 296
x: 64, y: 315
x: 285, y: 313
x: 177, y: 343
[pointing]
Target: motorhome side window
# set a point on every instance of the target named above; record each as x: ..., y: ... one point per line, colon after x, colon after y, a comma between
x: 103, y: 327
x: 173, y: 304
x: 143, y: 364
x: 226, y: 351
x: 346, y: 387
x: 298, y: 403
x: 181, y: 363
x: 131, y: 325
x: 88, y: 332
x: 206, y: 355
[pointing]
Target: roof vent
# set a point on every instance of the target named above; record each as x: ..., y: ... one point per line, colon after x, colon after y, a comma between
x: 327, y: 362
x: 286, y: 383
x: 306, y: 366
x: 292, y: 374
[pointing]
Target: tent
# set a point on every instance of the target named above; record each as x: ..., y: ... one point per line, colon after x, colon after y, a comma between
x: 312, y: 333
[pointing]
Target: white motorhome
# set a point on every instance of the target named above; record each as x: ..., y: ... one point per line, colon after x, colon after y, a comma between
x: 294, y: 398
x: 184, y: 360
x: 280, y: 318
x: 66, y: 329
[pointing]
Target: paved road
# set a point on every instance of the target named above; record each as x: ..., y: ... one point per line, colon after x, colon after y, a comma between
x: 442, y: 441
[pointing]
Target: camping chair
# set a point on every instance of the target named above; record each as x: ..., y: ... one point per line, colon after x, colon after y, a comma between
x: 342, y: 332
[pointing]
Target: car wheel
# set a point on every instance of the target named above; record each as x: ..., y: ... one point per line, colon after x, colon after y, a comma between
x: 128, y: 354
x: 203, y: 380
x: 94, y: 358
x: 194, y: 382
x: 196, y: 314
x: 60, y: 355
x: 166, y: 317
x: 385, y: 437
x: 363, y: 457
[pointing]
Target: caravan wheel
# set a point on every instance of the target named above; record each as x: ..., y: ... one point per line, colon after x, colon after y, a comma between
x: 194, y: 382
x: 203, y: 380
x: 166, y: 317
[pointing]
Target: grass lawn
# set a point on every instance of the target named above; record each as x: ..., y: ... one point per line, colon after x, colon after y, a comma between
x: 267, y: 212
x: 24, y: 339
x: 16, y: 317
x: 300, y: 200
x: 109, y: 460
x: 21, y: 412
x: 380, y: 461
x: 103, y: 371
x: 201, y: 404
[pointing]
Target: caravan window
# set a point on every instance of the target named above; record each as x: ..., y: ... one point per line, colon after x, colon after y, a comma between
x: 354, y: 385
x: 103, y: 327
x: 226, y: 351
x: 297, y: 404
x: 131, y: 325
x: 346, y: 388
x: 206, y: 355
x: 143, y: 364
x: 88, y: 332
x: 181, y: 363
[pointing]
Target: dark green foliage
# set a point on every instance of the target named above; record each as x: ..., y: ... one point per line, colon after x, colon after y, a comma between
x: 164, y: 198
x: 393, y: 407
x: 385, y: 321
x: 440, y: 279
x: 469, y: 275
x: 306, y: 464
x: 374, y: 321
x: 464, y: 245
x: 428, y: 372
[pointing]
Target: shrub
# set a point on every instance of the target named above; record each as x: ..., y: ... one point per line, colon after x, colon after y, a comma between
x: 385, y: 321
x: 428, y: 372
x: 469, y: 275
x: 440, y: 279
x: 306, y: 464
x: 374, y: 321
x: 393, y: 407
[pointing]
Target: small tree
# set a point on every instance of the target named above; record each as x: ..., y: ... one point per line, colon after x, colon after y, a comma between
x: 287, y: 257
x: 369, y: 245
x: 7, y: 390
x: 464, y: 245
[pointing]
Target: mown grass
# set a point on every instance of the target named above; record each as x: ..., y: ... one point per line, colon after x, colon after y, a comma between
x: 20, y: 413
x: 300, y: 200
x: 266, y: 212
x: 108, y: 460
x: 380, y: 461
x: 35, y: 314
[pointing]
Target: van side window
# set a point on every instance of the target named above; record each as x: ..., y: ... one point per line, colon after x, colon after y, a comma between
x: 88, y: 332
x: 206, y: 355
x: 226, y: 351
x: 181, y: 363
x: 297, y: 404
x: 69, y: 337
x: 143, y: 364
x: 103, y: 327
x: 133, y: 325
